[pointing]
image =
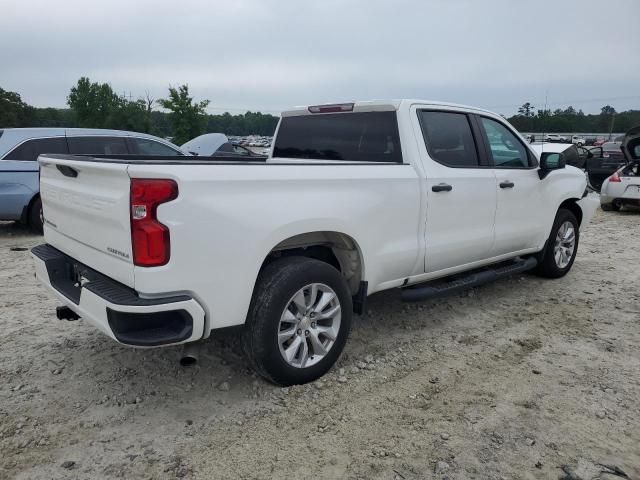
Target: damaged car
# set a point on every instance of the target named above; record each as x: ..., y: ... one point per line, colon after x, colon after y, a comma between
x: 623, y: 186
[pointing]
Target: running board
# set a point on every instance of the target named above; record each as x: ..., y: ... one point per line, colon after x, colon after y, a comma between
x: 463, y: 281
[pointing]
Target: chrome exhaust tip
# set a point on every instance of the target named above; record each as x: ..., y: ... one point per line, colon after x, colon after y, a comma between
x: 190, y: 354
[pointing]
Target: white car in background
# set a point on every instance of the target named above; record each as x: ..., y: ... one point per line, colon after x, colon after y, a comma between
x: 555, y: 138
x: 623, y: 186
x: 573, y: 155
x: 578, y: 140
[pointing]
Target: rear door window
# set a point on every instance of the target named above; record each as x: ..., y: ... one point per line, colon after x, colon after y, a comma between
x: 97, y: 145
x: 448, y: 138
x: 31, y: 149
x: 144, y: 146
x: 354, y: 137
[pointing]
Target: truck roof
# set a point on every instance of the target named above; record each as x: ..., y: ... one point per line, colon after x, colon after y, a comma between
x: 380, y: 106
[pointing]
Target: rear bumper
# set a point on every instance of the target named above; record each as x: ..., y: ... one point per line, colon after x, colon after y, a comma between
x: 623, y: 191
x: 115, y: 309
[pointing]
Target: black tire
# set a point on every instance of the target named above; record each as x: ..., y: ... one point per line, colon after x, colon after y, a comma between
x: 547, y: 266
x: 616, y: 205
x: 606, y: 207
x: 276, y: 285
x: 35, y: 216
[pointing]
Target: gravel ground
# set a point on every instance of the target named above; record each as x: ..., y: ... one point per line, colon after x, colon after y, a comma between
x: 511, y: 380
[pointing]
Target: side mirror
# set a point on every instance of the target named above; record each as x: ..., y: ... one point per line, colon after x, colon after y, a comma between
x: 550, y: 161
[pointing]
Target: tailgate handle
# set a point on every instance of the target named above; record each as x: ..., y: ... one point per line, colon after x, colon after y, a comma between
x: 67, y: 171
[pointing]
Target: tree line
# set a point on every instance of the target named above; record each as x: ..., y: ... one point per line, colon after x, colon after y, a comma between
x: 530, y: 119
x: 96, y: 105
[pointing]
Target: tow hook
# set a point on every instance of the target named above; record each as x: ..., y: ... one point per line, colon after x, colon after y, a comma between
x: 65, y: 313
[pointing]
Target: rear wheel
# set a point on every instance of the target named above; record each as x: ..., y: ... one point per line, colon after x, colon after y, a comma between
x: 616, y: 204
x: 298, y: 321
x: 36, y: 218
x: 562, y: 246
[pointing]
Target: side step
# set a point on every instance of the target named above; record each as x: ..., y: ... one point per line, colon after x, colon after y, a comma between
x: 463, y: 281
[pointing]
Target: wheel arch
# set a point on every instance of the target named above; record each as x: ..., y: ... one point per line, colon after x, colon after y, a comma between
x: 24, y: 218
x: 571, y: 204
x: 335, y: 248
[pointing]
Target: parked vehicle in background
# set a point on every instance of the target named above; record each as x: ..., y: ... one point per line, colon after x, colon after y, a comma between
x: 623, y: 186
x: 572, y: 154
x: 600, y: 165
x: 555, y: 138
x: 612, y: 150
x: 356, y: 198
x: 578, y: 140
x: 20, y: 148
x: 599, y: 141
x: 215, y: 145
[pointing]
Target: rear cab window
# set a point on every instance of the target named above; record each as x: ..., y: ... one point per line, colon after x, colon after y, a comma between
x: 30, y: 150
x: 352, y: 137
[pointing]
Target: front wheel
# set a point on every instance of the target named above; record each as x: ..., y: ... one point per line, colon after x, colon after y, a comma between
x: 298, y: 322
x: 562, y: 246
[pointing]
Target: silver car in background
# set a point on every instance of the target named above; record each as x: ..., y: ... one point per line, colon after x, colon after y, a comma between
x: 20, y: 148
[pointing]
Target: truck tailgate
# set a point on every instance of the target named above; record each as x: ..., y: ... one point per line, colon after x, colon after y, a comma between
x: 86, y: 213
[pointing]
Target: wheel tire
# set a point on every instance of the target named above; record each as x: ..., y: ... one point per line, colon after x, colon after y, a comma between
x: 606, y: 207
x: 547, y: 266
x: 35, y: 216
x: 616, y: 205
x: 275, y: 288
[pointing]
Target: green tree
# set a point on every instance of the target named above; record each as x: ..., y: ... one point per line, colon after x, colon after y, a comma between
x: 13, y: 111
x: 92, y: 103
x: 607, y: 110
x: 128, y: 115
x: 187, y: 117
x: 526, y: 110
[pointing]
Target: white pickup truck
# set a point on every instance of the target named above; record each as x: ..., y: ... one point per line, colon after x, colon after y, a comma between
x: 354, y: 199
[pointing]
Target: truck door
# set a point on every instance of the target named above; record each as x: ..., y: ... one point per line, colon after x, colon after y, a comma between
x: 460, y: 191
x: 521, y: 211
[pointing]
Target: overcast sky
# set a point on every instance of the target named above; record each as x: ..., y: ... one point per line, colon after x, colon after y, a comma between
x: 271, y: 54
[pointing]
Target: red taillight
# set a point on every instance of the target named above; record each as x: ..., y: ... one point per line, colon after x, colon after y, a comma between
x: 614, y: 178
x: 150, y: 238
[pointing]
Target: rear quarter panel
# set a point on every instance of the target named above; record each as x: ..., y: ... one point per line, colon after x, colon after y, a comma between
x: 227, y: 218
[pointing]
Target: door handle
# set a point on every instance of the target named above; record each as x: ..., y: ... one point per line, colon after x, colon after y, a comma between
x: 507, y: 184
x: 442, y: 187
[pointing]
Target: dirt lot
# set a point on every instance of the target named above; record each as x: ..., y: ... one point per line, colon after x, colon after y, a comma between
x: 511, y: 380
